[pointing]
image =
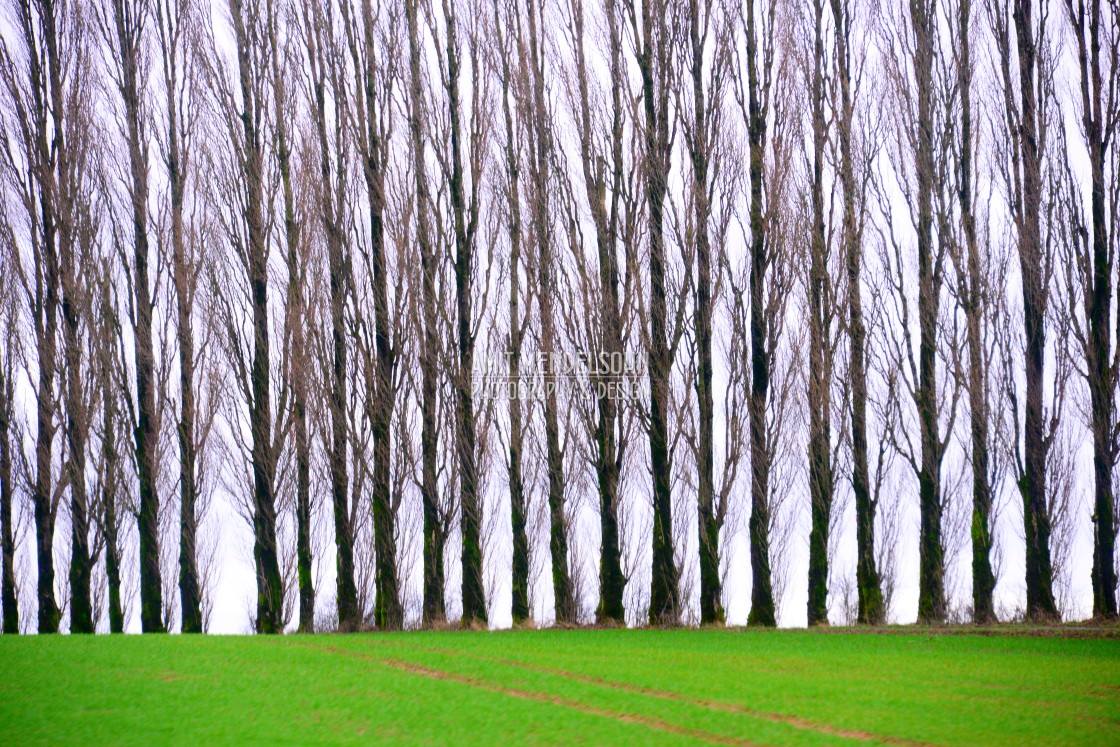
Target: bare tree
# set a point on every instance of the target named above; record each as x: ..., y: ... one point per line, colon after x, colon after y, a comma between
x: 916, y: 146
x: 653, y: 52
x: 702, y: 126
x: 753, y: 95
x: 518, y: 319
x: 123, y: 25
x: 973, y: 291
x: 1092, y: 258
x: 599, y: 133
x: 372, y: 55
x: 75, y: 260
x: 326, y: 77
x: 468, y: 137
x: 244, y: 113
x: 822, y: 310
x: 50, y: 40
x: 847, y: 69
x: 1027, y: 106
x: 434, y: 535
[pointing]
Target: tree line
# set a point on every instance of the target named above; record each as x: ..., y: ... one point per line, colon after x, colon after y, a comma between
x: 261, y: 256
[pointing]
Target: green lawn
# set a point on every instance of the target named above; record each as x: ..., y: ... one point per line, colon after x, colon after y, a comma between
x: 560, y: 687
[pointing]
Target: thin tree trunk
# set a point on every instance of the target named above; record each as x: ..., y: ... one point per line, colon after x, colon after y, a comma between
x: 7, y: 542
x: 81, y: 609
x: 612, y: 583
x: 270, y: 590
x: 45, y: 304
x: 821, y: 478
x: 381, y: 394
x: 111, y: 466
x: 762, y: 594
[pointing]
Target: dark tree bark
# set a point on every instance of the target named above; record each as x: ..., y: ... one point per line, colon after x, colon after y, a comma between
x: 822, y: 481
x: 653, y: 49
x: 326, y: 77
x: 429, y: 357
x: 871, y: 610
x: 76, y: 427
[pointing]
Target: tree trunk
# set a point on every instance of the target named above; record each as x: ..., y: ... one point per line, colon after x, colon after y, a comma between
x: 379, y: 367
x: 762, y: 595
x: 321, y: 55
x: 612, y: 584
x: 270, y: 590
x: 821, y: 480
x: 81, y: 609
x: 110, y: 480
x: 7, y: 542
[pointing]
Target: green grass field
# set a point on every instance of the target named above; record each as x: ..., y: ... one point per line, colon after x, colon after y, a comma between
x: 562, y: 687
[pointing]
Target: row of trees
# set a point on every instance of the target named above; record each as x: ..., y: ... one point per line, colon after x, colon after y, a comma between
x: 266, y: 253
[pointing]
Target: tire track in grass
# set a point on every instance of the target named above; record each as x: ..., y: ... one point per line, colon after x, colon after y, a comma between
x: 537, y: 697
x: 796, y: 722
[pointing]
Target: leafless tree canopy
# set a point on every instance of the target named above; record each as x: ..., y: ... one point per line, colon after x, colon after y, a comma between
x: 557, y: 311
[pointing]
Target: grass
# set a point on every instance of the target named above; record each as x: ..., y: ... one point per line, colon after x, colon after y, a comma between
x: 563, y: 687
